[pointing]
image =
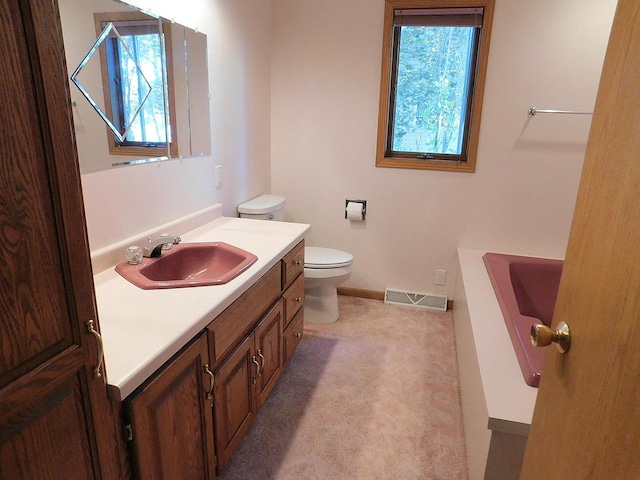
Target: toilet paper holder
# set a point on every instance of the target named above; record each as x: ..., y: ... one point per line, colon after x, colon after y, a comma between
x: 351, y: 200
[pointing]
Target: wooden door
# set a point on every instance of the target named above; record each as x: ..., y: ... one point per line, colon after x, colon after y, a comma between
x: 235, y: 403
x: 586, y: 423
x: 55, y: 419
x: 171, y: 419
x: 269, y: 350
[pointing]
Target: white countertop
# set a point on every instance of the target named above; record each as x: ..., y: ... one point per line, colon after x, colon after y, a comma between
x: 142, y: 329
x: 510, y: 401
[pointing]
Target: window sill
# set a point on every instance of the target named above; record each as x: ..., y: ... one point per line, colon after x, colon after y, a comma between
x: 412, y: 163
x: 145, y: 152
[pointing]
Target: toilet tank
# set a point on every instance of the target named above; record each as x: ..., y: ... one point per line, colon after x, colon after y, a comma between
x: 264, y: 207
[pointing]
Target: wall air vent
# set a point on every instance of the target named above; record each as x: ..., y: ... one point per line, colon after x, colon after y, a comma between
x: 429, y: 301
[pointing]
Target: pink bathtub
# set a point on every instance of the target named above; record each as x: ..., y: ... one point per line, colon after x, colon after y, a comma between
x: 526, y: 288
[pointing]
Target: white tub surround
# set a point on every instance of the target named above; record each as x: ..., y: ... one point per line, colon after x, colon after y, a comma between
x: 142, y: 329
x: 497, y: 404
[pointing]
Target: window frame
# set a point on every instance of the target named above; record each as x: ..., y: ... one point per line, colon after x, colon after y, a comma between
x: 387, y: 158
x: 169, y: 148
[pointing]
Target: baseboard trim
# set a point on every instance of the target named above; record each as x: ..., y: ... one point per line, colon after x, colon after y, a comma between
x: 359, y: 292
x: 372, y: 294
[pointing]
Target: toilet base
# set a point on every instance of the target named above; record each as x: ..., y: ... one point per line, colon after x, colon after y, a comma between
x: 321, y: 304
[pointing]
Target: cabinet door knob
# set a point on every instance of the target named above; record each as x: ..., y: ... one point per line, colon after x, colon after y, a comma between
x: 297, y: 335
x: 297, y: 263
x: 208, y: 372
x: 298, y: 299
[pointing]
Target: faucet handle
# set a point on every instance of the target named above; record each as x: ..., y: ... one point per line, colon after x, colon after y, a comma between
x: 134, y: 255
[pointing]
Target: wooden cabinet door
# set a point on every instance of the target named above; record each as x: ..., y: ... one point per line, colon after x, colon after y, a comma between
x: 171, y: 419
x: 54, y: 414
x: 235, y: 403
x: 268, y: 347
x: 47, y: 438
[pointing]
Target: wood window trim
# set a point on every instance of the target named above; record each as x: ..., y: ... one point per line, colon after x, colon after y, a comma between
x: 128, y: 150
x: 410, y: 162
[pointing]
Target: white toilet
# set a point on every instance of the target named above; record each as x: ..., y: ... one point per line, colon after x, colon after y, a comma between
x: 324, y: 268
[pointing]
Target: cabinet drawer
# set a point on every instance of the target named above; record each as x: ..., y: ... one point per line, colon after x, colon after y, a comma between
x: 293, y: 299
x: 292, y: 265
x: 293, y: 335
x: 232, y: 325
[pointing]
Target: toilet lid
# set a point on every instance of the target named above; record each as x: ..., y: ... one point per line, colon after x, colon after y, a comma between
x: 320, y: 257
x: 262, y: 204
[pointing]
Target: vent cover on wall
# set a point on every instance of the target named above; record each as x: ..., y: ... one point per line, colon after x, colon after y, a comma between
x: 430, y: 301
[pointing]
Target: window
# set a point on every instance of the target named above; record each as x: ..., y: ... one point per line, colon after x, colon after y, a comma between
x: 133, y: 82
x: 433, y: 70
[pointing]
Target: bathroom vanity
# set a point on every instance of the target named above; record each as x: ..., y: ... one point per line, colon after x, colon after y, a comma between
x: 189, y: 368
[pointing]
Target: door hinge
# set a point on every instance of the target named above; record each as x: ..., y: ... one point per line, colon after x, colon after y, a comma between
x: 128, y: 433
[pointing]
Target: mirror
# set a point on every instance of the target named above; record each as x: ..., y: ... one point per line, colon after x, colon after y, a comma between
x: 151, y: 98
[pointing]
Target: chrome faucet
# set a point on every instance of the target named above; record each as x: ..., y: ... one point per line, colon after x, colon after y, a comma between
x: 154, y: 247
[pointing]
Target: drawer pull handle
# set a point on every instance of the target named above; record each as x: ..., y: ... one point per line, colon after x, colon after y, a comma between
x: 298, y: 299
x: 253, y: 359
x: 210, y: 373
x: 297, y: 335
x: 261, y: 362
x: 92, y: 331
x: 297, y: 263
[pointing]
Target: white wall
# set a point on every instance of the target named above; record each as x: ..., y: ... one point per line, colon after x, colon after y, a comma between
x: 122, y: 202
x: 325, y: 86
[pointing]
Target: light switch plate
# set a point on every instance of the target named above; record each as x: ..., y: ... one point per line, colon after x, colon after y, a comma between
x: 218, y: 176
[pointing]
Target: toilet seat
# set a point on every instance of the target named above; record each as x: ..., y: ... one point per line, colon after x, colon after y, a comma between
x: 325, y: 258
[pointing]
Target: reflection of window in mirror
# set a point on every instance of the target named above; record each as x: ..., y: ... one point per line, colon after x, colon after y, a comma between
x: 132, y: 74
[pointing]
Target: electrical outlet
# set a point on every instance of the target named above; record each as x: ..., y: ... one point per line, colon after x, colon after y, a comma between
x: 218, y: 176
x: 441, y: 277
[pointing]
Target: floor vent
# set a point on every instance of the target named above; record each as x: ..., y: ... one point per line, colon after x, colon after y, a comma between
x: 430, y: 301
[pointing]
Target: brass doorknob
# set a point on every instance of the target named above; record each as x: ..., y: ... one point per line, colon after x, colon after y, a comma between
x: 541, y: 336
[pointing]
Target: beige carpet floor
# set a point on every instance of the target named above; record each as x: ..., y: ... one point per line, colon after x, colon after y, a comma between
x: 374, y: 395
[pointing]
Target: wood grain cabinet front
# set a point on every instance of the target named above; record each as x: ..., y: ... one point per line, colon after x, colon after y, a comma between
x: 245, y: 377
x: 292, y: 336
x: 293, y: 299
x: 244, y: 381
x: 292, y: 265
x: 268, y: 346
x: 234, y: 400
x: 231, y: 326
x: 171, y: 421
x: 55, y: 417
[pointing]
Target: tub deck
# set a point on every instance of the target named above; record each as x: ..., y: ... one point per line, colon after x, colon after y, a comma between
x: 497, y: 404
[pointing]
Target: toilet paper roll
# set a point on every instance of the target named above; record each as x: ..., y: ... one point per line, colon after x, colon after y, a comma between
x: 354, y: 211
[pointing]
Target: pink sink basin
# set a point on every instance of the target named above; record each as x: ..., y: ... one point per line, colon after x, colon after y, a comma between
x: 189, y: 265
